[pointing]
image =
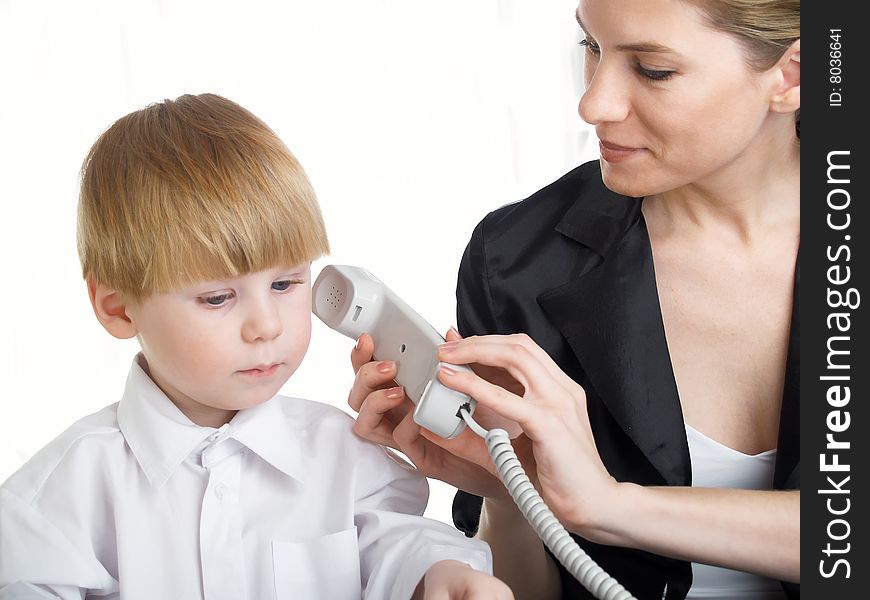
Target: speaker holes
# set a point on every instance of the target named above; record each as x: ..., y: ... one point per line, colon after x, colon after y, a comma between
x: 334, y: 298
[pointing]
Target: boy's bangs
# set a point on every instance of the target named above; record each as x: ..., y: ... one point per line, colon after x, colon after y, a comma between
x: 218, y: 239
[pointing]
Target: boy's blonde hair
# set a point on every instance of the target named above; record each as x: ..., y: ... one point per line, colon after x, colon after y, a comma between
x: 192, y: 189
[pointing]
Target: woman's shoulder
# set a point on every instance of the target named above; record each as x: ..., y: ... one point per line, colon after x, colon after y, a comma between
x: 578, y: 185
x: 577, y: 207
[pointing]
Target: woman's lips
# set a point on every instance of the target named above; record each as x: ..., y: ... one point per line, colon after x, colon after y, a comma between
x: 614, y: 153
x: 261, y: 370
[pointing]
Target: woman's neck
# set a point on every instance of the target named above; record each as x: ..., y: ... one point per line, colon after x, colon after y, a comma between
x: 758, y: 191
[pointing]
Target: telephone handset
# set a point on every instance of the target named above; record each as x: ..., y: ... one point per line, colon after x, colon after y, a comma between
x: 353, y: 301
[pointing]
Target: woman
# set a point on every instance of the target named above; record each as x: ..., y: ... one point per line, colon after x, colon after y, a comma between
x: 659, y: 398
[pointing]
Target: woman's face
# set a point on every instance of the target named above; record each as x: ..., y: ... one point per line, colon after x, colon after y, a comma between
x: 673, y: 101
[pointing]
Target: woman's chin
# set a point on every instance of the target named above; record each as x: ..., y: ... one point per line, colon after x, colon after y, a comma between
x: 626, y: 182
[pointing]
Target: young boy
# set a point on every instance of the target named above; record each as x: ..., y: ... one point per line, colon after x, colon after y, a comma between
x: 196, y: 230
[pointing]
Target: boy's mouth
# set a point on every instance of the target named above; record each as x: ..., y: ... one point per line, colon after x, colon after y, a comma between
x: 261, y: 370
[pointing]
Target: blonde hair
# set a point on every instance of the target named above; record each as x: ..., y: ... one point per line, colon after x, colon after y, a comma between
x: 192, y: 189
x: 765, y: 28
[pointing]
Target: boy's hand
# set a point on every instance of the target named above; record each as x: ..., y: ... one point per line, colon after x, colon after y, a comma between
x: 454, y: 580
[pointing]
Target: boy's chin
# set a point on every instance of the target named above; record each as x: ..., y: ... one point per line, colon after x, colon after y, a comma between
x: 252, y: 400
x: 248, y: 395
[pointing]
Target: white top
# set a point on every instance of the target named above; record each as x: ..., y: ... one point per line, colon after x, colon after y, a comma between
x: 717, y: 465
x: 284, y: 501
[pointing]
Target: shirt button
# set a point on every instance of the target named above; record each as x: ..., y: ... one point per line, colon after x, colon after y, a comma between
x: 220, y: 490
x: 221, y: 430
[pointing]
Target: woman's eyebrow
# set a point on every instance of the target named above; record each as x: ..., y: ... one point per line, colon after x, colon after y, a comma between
x: 646, y: 47
x: 636, y: 47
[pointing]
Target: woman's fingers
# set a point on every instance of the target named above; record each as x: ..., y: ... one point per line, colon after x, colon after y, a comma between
x: 409, y: 442
x: 519, y: 355
x: 370, y: 377
x: 546, y: 360
x: 453, y: 335
x: 463, y: 462
x: 489, y: 419
x: 499, y: 351
x: 487, y: 394
x: 379, y: 414
x: 362, y: 352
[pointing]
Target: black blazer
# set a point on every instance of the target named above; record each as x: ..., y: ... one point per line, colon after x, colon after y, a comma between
x: 572, y: 267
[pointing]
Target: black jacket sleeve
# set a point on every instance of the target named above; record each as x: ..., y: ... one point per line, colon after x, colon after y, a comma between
x: 474, y: 316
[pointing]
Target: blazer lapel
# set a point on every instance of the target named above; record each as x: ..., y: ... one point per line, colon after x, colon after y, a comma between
x: 787, y: 472
x: 610, y: 317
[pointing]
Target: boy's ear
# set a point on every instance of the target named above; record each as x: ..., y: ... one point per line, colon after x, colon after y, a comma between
x: 111, y: 310
x: 787, y: 94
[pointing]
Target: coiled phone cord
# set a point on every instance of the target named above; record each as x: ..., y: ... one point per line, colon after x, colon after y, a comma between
x: 543, y: 521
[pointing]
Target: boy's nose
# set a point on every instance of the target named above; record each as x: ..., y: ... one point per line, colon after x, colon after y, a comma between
x: 262, y: 322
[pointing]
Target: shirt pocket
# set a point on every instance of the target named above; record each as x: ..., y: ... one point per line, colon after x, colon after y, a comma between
x: 326, y: 567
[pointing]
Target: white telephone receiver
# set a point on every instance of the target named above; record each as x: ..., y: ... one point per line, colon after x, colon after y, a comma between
x: 353, y: 301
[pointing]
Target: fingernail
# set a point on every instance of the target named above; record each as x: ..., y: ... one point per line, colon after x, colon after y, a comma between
x: 359, y: 342
x: 454, y: 330
x: 447, y: 370
x: 395, y: 392
x: 385, y: 366
x: 448, y: 347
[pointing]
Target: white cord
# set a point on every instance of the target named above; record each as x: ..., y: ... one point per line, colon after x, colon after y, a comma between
x: 543, y: 521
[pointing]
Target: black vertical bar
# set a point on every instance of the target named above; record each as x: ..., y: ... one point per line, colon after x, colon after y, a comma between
x: 834, y: 263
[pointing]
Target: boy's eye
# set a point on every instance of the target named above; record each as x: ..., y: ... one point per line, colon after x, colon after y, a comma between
x: 283, y: 285
x: 217, y: 300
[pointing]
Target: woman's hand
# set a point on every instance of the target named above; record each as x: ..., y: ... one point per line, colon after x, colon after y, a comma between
x: 386, y: 417
x: 551, y: 409
x: 748, y: 530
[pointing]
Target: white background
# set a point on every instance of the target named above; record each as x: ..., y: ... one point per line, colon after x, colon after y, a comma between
x: 413, y: 120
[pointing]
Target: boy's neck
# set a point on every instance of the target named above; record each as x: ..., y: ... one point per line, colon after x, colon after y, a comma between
x: 209, y: 417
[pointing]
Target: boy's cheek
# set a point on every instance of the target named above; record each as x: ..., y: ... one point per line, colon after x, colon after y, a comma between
x: 189, y: 349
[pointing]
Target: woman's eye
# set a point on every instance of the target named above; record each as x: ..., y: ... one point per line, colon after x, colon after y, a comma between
x: 283, y: 285
x: 654, y: 75
x: 217, y: 300
x: 591, y: 47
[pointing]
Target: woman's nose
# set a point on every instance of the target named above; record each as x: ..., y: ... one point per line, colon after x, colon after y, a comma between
x: 605, y: 99
x: 262, y: 322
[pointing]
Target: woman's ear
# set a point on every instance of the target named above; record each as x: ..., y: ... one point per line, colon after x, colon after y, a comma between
x: 787, y: 94
x: 111, y: 310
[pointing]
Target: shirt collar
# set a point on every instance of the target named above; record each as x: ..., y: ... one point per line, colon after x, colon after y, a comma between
x: 273, y: 430
x: 161, y: 436
x: 599, y: 217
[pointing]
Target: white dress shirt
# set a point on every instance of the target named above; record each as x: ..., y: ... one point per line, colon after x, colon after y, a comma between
x: 283, y: 502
